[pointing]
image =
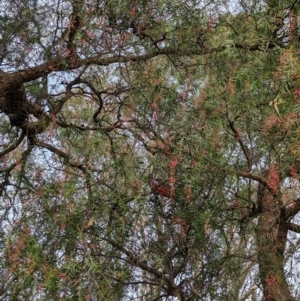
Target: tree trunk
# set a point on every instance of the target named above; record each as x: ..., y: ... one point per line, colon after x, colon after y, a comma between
x: 271, y: 240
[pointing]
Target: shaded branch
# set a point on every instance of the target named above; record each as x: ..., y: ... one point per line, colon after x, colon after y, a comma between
x: 245, y: 150
x: 63, y: 64
x: 252, y: 176
x: 292, y: 210
x: 58, y: 105
x: 61, y: 154
x: 11, y: 148
x: 74, y: 25
x: 294, y: 227
x: 116, y: 125
x: 135, y: 259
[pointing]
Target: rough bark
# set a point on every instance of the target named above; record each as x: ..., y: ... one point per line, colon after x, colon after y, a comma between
x: 272, y: 231
x: 14, y: 103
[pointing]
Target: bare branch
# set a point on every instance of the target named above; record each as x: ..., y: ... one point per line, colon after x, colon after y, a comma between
x: 252, y: 176
x: 135, y: 259
x: 294, y: 227
x: 61, y: 154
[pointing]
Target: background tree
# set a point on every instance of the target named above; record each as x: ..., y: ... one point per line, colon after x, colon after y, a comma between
x: 98, y: 99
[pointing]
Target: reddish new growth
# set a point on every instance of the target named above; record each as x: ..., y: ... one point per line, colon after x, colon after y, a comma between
x: 274, y: 179
x: 213, y: 21
x: 230, y: 86
x: 188, y: 193
x: 154, y: 108
x: 54, y: 124
x: 297, y: 94
x: 134, y: 10
x: 53, y: 119
x: 183, y: 226
x: 14, y: 249
x: 238, y: 135
x: 292, y: 19
x: 272, y: 122
x: 294, y: 172
x: 271, y: 285
x: 167, y: 188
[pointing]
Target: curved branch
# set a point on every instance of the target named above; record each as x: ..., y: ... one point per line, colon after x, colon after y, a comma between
x: 100, y: 100
x: 58, y: 105
x: 135, y: 259
x: 61, y: 154
x: 252, y: 176
x: 11, y: 148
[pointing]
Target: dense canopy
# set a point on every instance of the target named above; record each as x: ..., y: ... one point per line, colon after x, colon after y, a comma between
x: 149, y: 150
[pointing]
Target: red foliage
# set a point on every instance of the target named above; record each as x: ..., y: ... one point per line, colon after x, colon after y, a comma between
x: 292, y: 24
x: 230, y: 86
x: 294, y: 172
x: 271, y: 286
x: 274, y: 179
x: 154, y: 108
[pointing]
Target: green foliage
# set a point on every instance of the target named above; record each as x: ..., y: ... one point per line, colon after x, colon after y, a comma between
x: 201, y: 98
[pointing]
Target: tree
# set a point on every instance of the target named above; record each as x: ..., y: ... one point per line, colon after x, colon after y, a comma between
x: 100, y: 100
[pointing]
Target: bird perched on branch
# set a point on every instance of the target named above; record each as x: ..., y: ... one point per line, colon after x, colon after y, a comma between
x: 160, y: 187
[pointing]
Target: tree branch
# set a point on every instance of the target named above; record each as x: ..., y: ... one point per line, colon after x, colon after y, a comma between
x: 11, y: 148
x: 252, y: 176
x: 292, y: 210
x: 63, y: 64
x: 245, y: 150
x: 294, y: 227
x: 61, y: 154
x: 135, y: 259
